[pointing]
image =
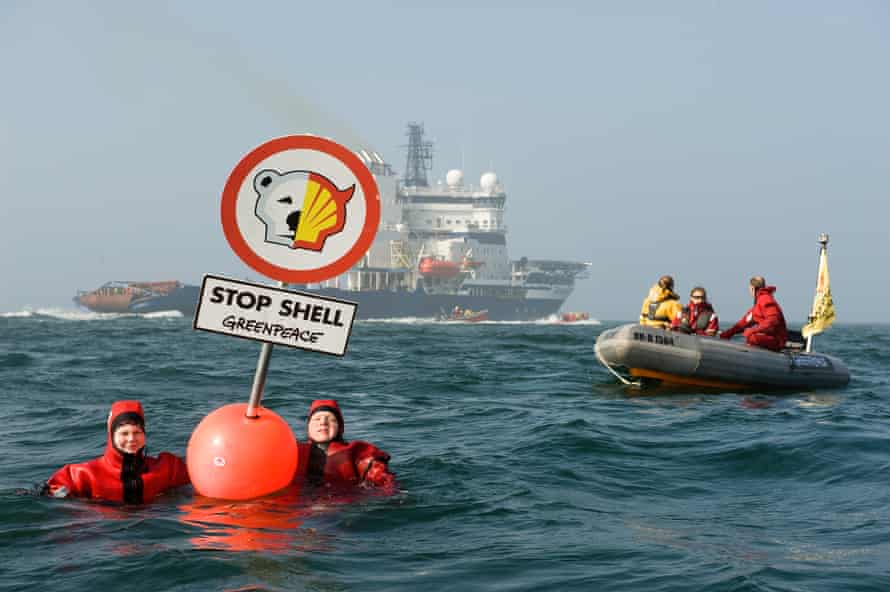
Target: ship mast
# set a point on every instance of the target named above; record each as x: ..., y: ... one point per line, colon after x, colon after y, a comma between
x: 420, y: 157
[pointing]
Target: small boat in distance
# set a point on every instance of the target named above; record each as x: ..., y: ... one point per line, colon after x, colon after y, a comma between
x: 140, y: 297
x: 651, y: 355
x: 465, y: 315
x: 573, y: 317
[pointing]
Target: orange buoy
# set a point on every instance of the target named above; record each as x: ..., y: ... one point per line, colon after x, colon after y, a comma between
x: 233, y: 457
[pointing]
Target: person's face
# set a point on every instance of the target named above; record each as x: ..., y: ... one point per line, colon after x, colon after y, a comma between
x: 129, y: 438
x: 323, y: 426
x: 751, y: 290
x: 697, y: 297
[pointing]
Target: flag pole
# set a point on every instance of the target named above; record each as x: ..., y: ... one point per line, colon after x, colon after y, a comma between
x: 823, y: 242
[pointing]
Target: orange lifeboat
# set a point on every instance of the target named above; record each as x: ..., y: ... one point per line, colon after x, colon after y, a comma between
x: 437, y: 268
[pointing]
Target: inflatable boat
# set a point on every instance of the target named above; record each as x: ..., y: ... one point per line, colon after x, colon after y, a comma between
x: 650, y: 354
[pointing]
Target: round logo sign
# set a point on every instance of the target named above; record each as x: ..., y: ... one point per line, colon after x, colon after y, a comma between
x: 300, y: 209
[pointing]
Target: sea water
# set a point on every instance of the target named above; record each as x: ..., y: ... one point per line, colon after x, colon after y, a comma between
x: 523, y: 465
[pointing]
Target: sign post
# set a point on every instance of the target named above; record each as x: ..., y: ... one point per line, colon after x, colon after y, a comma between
x: 297, y: 209
x: 259, y: 381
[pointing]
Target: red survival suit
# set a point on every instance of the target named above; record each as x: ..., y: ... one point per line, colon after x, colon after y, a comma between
x: 117, y: 476
x: 763, y: 324
x: 341, y: 463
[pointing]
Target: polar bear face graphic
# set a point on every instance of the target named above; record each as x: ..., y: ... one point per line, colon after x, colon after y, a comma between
x: 279, y: 201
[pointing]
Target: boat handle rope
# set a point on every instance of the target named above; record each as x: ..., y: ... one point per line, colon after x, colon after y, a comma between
x: 610, y: 369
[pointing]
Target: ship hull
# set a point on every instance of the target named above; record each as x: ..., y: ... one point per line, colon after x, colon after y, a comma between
x: 402, y: 304
x: 375, y: 304
x: 184, y: 299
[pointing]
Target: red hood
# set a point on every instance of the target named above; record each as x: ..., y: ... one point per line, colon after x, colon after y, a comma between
x: 112, y: 455
x: 765, y: 289
x: 328, y: 405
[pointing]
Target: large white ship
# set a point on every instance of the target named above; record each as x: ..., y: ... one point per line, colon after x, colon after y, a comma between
x: 440, y: 248
x: 443, y: 247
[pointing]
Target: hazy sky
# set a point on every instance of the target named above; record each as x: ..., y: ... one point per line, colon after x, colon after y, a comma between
x: 709, y: 140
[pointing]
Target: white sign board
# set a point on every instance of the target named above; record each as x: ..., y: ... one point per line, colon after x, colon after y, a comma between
x: 274, y: 315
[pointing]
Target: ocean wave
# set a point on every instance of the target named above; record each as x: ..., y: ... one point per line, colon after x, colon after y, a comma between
x: 15, y: 315
x: 68, y: 314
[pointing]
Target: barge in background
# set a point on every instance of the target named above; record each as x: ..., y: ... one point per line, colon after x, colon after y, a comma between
x: 140, y: 297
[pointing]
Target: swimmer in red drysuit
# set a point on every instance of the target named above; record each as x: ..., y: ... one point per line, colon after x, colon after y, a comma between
x: 124, y: 473
x: 328, y: 458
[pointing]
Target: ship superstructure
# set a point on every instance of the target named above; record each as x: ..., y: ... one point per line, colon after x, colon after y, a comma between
x: 445, y: 245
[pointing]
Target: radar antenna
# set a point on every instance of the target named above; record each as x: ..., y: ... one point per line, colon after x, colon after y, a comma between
x: 420, y: 157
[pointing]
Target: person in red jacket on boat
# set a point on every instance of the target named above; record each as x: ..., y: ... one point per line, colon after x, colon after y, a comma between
x: 764, y: 324
x: 697, y: 317
x: 327, y: 458
x: 124, y: 473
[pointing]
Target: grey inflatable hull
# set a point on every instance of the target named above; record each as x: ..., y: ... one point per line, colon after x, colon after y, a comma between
x: 712, y: 362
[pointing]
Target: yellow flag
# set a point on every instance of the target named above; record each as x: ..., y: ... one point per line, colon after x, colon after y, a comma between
x: 822, y: 315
